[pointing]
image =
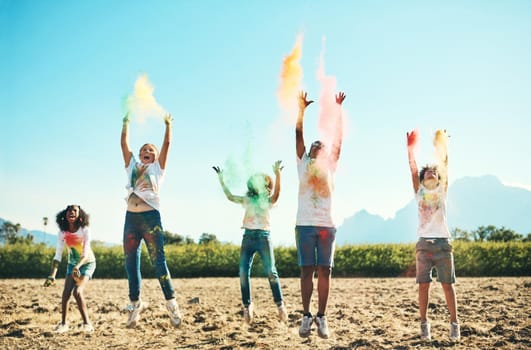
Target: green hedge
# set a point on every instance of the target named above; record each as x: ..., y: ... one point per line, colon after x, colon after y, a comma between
x: 222, y: 260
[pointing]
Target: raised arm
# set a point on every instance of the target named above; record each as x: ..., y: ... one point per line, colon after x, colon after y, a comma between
x: 228, y: 194
x: 163, y: 156
x: 276, y: 190
x: 126, y: 150
x: 299, y: 137
x: 338, y: 137
x: 411, y: 141
x: 441, y: 148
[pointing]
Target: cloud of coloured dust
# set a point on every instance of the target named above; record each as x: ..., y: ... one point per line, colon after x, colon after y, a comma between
x: 290, y: 81
x: 440, y: 142
x: 142, y: 103
x: 331, y: 119
x: 238, y: 168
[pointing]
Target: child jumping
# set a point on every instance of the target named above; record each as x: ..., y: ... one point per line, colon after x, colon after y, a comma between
x: 73, y: 231
x: 256, y: 237
x: 142, y: 221
x: 433, y: 247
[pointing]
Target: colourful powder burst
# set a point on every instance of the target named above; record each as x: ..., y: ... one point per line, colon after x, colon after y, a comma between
x: 291, y: 78
x: 440, y: 141
x: 330, y: 125
x: 142, y: 102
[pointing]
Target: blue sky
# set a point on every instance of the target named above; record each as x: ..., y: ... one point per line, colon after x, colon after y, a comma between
x: 67, y: 66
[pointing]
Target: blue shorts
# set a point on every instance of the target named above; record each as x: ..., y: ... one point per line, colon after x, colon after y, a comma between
x: 85, y: 270
x: 315, y: 245
x: 435, y: 252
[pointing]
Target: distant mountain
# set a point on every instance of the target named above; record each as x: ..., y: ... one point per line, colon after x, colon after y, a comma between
x: 43, y: 237
x: 472, y: 202
x: 38, y: 236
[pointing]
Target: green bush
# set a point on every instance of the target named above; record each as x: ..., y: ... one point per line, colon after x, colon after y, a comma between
x: 214, y: 259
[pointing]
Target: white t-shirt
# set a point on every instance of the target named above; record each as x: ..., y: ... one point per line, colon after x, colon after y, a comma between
x: 315, y: 191
x: 144, y: 181
x: 432, y: 212
x: 256, y: 213
x: 78, y: 244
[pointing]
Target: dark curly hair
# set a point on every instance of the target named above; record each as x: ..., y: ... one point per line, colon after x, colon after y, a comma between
x: 62, y: 222
x: 425, y: 168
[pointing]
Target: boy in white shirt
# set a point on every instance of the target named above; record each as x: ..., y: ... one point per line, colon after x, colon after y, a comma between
x: 433, y: 248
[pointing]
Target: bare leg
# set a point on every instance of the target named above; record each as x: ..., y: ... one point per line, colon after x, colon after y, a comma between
x: 449, y: 294
x: 67, y: 291
x: 323, y: 286
x: 306, y: 287
x: 81, y: 305
x: 424, y: 289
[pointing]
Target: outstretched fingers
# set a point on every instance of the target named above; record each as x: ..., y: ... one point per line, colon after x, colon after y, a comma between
x: 340, y: 97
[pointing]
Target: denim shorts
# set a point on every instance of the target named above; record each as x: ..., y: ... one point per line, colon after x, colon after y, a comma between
x: 315, y: 245
x: 438, y: 253
x: 85, y: 269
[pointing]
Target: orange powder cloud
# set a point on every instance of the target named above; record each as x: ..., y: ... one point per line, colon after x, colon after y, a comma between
x: 290, y: 80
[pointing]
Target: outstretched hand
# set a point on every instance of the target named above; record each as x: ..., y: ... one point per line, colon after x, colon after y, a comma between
x: 412, y: 138
x: 217, y: 169
x: 303, y: 100
x: 168, y: 119
x: 340, y: 97
x: 126, y: 118
x: 277, y: 167
x: 50, y: 281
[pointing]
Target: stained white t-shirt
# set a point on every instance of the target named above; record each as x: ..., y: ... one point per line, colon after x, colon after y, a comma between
x: 432, y: 212
x: 256, y: 213
x: 315, y: 191
x: 78, y: 244
x: 145, y: 181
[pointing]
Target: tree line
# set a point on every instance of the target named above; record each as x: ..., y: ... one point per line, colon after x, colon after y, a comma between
x: 487, y: 251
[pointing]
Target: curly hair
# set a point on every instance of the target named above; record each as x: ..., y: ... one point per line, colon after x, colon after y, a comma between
x: 62, y: 222
x: 259, y: 184
x: 426, y: 168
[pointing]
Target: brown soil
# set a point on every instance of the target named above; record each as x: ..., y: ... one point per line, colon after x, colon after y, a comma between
x: 363, y: 314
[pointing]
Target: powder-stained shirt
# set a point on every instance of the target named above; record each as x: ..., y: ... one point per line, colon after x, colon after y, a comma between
x: 315, y: 191
x: 144, y: 181
x: 256, y: 213
x: 78, y: 244
x: 432, y: 212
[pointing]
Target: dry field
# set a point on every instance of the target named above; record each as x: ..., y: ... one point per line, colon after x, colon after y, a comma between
x: 363, y: 314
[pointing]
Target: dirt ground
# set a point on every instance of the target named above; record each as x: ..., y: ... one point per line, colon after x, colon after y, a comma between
x: 362, y: 313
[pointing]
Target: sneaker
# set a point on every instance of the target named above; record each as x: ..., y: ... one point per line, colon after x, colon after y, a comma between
x: 282, y: 313
x: 248, y: 313
x: 322, y: 327
x: 134, y: 309
x: 455, y: 332
x: 87, y: 328
x: 174, y: 312
x: 306, y: 326
x: 61, y: 328
x: 425, y: 331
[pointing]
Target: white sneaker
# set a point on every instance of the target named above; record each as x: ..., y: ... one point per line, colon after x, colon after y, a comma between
x: 135, y: 309
x: 61, y: 328
x: 174, y: 312
x: 306, y: 326
x: 87, y: 328
x: 248, y: 313
x: 425, y: 331
x: 322, y: 327
x: 455, y: 331
x: 282, y: 313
